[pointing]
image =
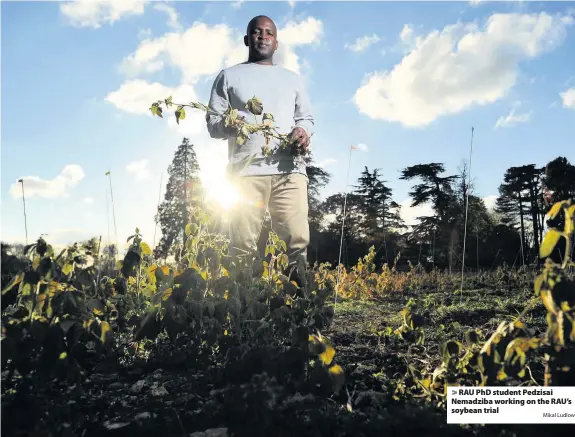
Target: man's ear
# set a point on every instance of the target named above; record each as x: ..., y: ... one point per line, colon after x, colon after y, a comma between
x: 246, y: 40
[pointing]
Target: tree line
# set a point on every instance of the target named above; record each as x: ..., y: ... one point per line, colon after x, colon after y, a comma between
x: 508, y: 234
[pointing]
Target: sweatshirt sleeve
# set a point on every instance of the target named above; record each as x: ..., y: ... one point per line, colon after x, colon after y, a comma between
x: 303, y: 111
x: 219, y: 102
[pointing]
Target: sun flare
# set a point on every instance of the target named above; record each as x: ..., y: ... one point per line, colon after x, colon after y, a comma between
x: 220, y: 193
x: 224, y: 194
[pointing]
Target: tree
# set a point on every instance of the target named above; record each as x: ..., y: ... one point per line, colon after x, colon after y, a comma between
x: 479, y: 222
x: 559, y: 180
x: 520, y: 195
x: 182, y: 191
x: 379, y: 213
x: 318, y: 178
x: 436, y: 231
x: 332, y: 212
x: 434, y: 188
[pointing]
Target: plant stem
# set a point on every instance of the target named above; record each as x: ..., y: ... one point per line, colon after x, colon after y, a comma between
x: 242, y: 123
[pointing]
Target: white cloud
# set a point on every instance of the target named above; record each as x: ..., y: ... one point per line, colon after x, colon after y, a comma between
x: 458, y: 67
x: 406, y: 33
x: 34, y: 186
x: 187, y: 52
x: 512, y: 119
x: 409, y: 213
x: 362, y: 43
x: 362, y: 147
x: 237, y: 4
x: 136, y: 96
x: 308, y: 31
x: 95, y: 13
x: 170, y: 11
x: 568, y: 98
x: 140, y: 169
x: 327, y: 162
x: 88, y: 200
x: 293, y: 35
x: 292, y: 3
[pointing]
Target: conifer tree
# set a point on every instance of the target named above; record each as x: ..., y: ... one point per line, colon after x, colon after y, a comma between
x: 182, y: 192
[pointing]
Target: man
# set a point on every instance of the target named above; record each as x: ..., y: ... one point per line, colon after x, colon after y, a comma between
x: 278, y: 184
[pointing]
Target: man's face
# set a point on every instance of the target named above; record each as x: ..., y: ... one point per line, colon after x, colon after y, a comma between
x: 261, y: 38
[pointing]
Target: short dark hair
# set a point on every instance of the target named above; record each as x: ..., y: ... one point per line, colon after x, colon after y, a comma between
x: 253, y: 21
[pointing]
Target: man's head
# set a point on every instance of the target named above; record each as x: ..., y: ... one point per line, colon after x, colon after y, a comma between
x: 261, y: 38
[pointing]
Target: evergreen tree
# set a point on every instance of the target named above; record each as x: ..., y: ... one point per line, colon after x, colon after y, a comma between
x: 182, y: 192
x: 318, y: 178
x: 520, y: 195
x: 559, y: 180
x: 380, y: 213
x: 436, y: 233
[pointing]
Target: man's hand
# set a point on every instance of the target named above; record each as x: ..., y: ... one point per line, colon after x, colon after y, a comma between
x: 299, y: 139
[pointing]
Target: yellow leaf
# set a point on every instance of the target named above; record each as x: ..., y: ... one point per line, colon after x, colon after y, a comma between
x: 549, y: 242
x: 327, y: 356
x: 548, y: 301
x: 205, y: 275
x: 166, y: 294
x: 145, y: 248
x: 537, y: 284
x: 165, y: 270
x: 425, y: 383
x: 87, y: 323
x: 105, y: 327
x: 13, y: 283
x: 554, y: 210
x: 336, y: 370
x: 337, y: 376
x: 97, y: 312
x: 26, y: 290
x: 63, y: 355
x: 67, y: 269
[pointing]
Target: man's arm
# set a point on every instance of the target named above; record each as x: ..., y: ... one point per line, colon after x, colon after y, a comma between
x: 219, y: 102
x: 303, y: 111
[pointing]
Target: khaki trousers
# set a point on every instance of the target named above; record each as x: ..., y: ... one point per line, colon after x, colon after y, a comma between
x: 285, y: 196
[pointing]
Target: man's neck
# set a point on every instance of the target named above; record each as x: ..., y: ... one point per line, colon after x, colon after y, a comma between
x: 261, y: 61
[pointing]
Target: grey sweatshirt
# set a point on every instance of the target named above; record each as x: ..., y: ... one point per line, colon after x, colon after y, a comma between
x: 282, y: 93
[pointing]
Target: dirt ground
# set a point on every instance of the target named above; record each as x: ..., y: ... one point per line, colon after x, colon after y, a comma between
x: 180, y: 392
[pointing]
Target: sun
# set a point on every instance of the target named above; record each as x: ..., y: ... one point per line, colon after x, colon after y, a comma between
x: 219, y: 192
x: 224, y: 194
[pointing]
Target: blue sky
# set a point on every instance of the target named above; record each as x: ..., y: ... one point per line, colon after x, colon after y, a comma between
x: 404, y: 80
